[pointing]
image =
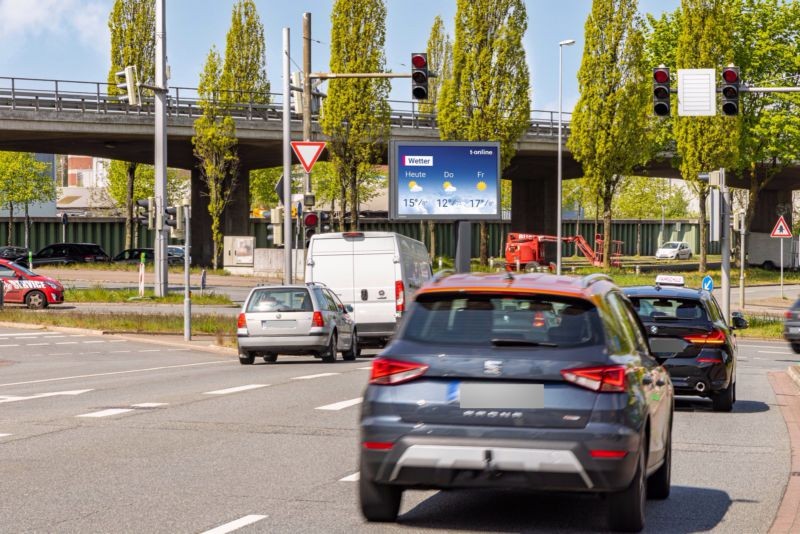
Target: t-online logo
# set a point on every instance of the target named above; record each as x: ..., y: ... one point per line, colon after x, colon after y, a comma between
x: 418, y: 161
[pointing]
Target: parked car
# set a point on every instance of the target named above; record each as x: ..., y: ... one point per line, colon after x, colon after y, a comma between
x: 69, y: 253
x: 674, y: 250
x: 298, y: 319
x: 689, y: 336
x: 791, y: 326
x: 518, y: 381
x: 23, y: 286
x: 375, y: 272
x: 12, y: 253
x: 134, y: 255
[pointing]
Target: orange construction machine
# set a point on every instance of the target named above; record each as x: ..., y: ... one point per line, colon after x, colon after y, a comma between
x: 526, y: 251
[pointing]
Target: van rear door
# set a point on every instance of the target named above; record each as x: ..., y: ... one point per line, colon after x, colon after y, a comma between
x: 374, y: 274
x: 331, y: 263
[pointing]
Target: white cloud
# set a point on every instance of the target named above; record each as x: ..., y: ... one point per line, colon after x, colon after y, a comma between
x: 450, y: 189
x: 416, y: 189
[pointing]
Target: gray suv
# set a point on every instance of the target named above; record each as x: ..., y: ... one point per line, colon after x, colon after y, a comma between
x: 301, y: 319
x: 531, y: 381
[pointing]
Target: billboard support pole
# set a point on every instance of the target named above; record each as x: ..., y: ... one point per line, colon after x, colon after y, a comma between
x: 463, y: 246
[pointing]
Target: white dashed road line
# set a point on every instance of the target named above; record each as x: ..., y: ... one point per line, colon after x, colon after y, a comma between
x: 107, y: 413
x: 67, y: 343
x: 309, y: 377
x: 88, y: 342
x: 4, y: 435
x: 9, y: 345
x: 236, y: 525
x: 775, y: 352
x: 150, y: 350
x: 13, y: 398
x: 236, y: 389
x: 32, y: 334
x: 119, y: 352
x: 369, y: 368
x: 350, y: 478
x: 36, y: 344
x: 340, y: 405
x: 149, y: 404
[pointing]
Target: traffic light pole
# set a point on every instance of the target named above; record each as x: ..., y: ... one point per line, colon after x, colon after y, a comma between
x: 307, y: 89
x: 287, y: 164
x: 160, y: 153
x: 187, y: 262
x: 725, y: 243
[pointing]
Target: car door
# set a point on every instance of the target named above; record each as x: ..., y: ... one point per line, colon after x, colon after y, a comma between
x: 346, y: 321
x: 11, y: 286
x: 335, y: 313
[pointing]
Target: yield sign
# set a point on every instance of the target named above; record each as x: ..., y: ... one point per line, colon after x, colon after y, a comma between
x: 781, y: 229
x: 308, y: 152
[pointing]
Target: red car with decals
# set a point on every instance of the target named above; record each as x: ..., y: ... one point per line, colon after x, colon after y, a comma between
x: 23, y: 286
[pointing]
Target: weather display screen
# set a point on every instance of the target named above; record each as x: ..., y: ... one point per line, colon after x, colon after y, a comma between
x: 445, y: 180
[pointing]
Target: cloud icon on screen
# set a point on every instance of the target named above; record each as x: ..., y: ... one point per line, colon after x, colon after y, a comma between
x: 416, y: 188
x: 449, y: 188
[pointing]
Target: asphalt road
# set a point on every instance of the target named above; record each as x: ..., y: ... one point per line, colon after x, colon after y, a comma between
x: 101, y: 434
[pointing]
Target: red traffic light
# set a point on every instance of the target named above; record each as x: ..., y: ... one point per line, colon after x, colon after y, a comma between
x: 419, y: 61
x: 730, y: 75
x: 661, y: 75
x: 310, y: 219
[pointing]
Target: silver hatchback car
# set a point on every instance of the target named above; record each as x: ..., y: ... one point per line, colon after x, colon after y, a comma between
x: 298, y: 319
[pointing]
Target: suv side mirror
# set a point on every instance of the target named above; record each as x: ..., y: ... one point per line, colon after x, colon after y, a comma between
x: 739, y: 321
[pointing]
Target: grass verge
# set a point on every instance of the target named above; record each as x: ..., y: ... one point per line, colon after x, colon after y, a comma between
x: 762, y: 326
x: 100, y: 294
x: 134, y: 267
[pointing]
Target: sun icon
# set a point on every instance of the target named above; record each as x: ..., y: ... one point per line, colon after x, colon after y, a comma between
x: 447, y: 185
x: 412, y: 184
x: 481, y: 186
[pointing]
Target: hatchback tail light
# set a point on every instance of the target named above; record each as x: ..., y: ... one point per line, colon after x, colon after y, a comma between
x: 241, y: 323
x: 788, y: 314
x: 317, y: 319
x: 605, y: 379
x: 400, y: 296
x: 715, y: 337
x: 386, y: 371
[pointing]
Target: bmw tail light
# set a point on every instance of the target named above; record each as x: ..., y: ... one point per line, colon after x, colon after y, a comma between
x: 715, y: 337
x: 378, y: 445
x: 386, y: 371
x: 400, y: 296
x: 317, y: 319
x: 604, y: 379
x: 607, y: 454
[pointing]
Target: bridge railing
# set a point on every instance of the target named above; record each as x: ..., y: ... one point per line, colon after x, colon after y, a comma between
x: 38, y: 94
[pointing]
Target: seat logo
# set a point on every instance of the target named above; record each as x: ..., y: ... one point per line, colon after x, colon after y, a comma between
x: 492, y: 367
x: 654, y: 330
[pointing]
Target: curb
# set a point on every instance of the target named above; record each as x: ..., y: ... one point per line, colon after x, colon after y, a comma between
x: 787, y: 396
x: 794, y: 373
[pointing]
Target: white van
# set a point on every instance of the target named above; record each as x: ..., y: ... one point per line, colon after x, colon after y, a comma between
x: 375, y: 272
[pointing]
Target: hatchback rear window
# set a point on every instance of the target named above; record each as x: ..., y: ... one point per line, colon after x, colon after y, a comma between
x: 505, y: 320
x: 280, y: 300
x: 666, y: 309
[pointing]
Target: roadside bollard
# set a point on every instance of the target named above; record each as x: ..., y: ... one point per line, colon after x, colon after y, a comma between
x: 202, y: 281
x: 2, y: 292
x: 30, y: 260
x: 638, y: 270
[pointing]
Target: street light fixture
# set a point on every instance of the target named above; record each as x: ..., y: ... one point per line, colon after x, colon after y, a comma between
x: 561, y: 45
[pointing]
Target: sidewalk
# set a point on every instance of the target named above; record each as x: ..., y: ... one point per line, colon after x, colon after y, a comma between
x: 787, y: 394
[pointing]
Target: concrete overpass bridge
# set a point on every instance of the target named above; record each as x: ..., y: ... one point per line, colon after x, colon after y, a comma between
x: 73, y: 117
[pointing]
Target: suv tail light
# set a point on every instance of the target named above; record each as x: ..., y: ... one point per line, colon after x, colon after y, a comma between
x: 399, y: 296
x: 715, y: 337
x: 317, y: 319
x: 606, y: 378
x: 386, y: 371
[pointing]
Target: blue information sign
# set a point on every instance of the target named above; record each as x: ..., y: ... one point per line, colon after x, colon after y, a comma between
x: 708, y: 283
x: 444, y: 180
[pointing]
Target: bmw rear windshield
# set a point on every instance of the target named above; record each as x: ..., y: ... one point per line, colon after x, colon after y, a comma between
x: 503, y: 320
x: 669, y: 309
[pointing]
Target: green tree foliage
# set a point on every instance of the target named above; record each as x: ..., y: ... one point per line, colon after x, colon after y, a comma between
x: 215, y: 148
x: 132, y: 26
x: 638, y: 197
x: 661, y: 38
x: 609, y: 134
x: 244, y: 74
x: 355, y: 115
x: 23, y: 181
x: 704, y: 143
x: 440, y: 62
x: 177, y: 183
x: 487, y: 97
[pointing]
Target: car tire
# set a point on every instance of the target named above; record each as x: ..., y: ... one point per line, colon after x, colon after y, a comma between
x: 723, y: 400
x: 246, y: 358
x: 354, y: 351
x: 379, y: 502
x: 271, y: 357
x: 329, y: 356
x: 768, y: 265
x: 796, y: 348
x: 36, y: 300
x: 658, y: 484
x: 626, y: 507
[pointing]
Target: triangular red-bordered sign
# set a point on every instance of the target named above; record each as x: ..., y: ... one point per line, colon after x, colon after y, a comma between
x: 308, y: 152
x: 781, y: 229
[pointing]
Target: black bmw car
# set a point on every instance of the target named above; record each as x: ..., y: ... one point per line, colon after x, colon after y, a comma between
x: 689, y: 336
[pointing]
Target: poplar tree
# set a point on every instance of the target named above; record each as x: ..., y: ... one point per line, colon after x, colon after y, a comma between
x: 132, y: 26
x: 244, y: 74
x: 487, y: 98
x: 355, y: 115
x: 705, y: 143
x: 609, y: 124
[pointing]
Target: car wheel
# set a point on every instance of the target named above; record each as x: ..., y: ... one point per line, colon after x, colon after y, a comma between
x: 354, y: 351
x: 247, y: 358
x: 723, y: 400
x: 770, y: 266
x: 271, y: 357
x: 658, y: 484
x: 36, y: 300
x: 379, y: 502
x: 626, y: 507
x: 796, y: 348
x: 329, y: 355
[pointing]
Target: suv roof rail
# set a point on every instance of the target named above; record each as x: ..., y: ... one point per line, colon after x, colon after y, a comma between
x: 595, y: 277
x: 444, y: 273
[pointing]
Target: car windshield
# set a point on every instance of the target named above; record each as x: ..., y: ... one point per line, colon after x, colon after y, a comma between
x: 285, y: 299
x: 670, y: 245
x: 91, y: 249
x: 23, y: 270
x: 503, y: 320
x: 660, y: 308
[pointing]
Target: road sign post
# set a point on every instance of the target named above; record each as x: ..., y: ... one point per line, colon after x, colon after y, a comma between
x: 781, y: 231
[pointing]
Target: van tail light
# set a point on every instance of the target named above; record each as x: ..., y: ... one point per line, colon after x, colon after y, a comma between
x: 604, y: 379
x: 388, y: 372
x: 317, y: 319
x: 715, y: 337
x: 399, y: 296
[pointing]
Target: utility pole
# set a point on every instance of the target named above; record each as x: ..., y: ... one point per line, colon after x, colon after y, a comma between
x: 287, y: 165
x: 160, y: 153
x: 187, y: 290
x: 307, y: 89
x: 741, y: 261
x: 725, y: 230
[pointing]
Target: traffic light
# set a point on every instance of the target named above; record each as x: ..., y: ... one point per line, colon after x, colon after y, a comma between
x: 176, y: 219
x: 419, y: 76
x: 148, y: 214
x: 730, y: 90
x: 127, y: 83
x: 275, y: 231
x: 324, y: 222
x: 310, y: 222
x: 661, y: 92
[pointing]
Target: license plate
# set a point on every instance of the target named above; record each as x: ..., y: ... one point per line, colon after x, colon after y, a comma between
x: 666, y: 346
x: 279, y: 324
x: 502, y: 396
x: 794, y: 329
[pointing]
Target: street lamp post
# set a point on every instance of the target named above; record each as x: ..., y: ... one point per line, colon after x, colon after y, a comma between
x: 561, y: 45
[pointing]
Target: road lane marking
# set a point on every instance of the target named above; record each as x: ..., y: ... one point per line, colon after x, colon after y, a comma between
x: 774, y: 352
x: 67, y: 343
x: 88, y: 342
x: 9, y: 345
x: 777, y: 344
x: 149, y: 404
x: 309, y: 377
x: 4, y: 435
x: 178, y: 350
x: 117, y: 341
x: 350, y: 478
x: 4, y: 399
x: 119, y: 352
x: 236, y: 525
x: 76, y: 335
x: 111, y: 373
x: 107, y: 413
x: 36, y: 344
x: 366, y: 368
x: 236, y: 389
x: 32, y: 334
x: 340, y: 405
x: 150, y: 350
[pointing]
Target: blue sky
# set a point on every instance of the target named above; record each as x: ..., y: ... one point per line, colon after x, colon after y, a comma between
x: 68, y: 39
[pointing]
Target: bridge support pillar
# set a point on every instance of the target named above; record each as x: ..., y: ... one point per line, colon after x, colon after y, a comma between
x: 235, y: 220
x: 772, y: 203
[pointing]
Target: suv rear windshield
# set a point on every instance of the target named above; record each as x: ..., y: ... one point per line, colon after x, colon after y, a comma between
x: 284, y: 299
x: 90, y: 249
x: 669, y: 309
x: 486, y: 320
